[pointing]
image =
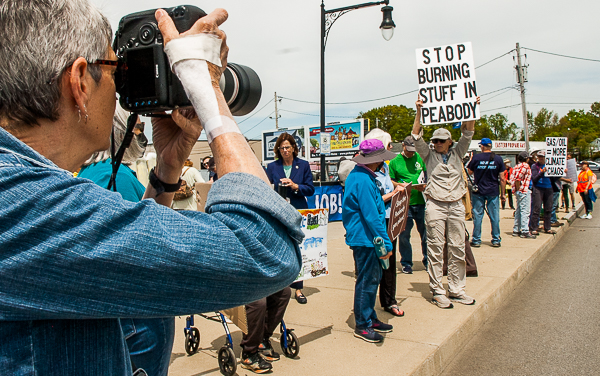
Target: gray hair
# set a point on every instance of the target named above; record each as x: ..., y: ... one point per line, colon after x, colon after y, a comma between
x: 381, y: 135
x: 39, y: 40
x: 132, y: 153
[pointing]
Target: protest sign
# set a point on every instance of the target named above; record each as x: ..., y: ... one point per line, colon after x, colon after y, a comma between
x: 344, y: 139
x: 314, y: 245
x: 328, y: 196
x: 399, y: 212
x: 447, y: 84
x: 556, y: 156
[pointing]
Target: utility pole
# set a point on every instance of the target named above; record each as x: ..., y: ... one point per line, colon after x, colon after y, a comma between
x: 276, y: 113
x: 521, y: 76
x: 376, y: 123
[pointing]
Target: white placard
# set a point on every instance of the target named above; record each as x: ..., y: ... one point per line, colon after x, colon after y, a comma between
x: 325, y: 143
x: 556, y: 156
x: 447, y: 84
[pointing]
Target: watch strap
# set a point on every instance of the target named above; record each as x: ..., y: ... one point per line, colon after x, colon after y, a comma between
x: 160, y: 186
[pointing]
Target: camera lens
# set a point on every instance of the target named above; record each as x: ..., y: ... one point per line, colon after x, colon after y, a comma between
x: 241, y: 88
x: 147, y: 33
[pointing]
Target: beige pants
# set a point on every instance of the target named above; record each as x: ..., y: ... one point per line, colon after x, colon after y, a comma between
x: 445, y: 222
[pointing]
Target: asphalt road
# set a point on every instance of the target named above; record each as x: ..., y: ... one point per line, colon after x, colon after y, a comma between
x: 551, y: 323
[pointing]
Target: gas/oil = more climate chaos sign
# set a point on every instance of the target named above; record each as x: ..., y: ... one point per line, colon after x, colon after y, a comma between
x: 556, y: 156
x: 447, y: 84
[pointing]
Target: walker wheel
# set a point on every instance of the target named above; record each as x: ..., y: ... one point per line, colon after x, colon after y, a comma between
x: 192, y: 341
x: 293, y: 347
x: 227, y: 363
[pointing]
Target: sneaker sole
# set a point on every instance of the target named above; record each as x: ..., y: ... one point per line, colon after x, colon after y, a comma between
x: 461, y: 301
x: 269, y: 358
x: 434, y: 302
x: 368, y: 340
x: 256, y: 370
x: 383, y: 331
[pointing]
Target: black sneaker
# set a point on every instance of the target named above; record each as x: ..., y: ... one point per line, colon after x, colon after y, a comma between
x: 381, y: 327
x: 496, y: 245
x: 407, y: 269
x: 266, y: 350
x: 476, y: 245
x: 516, y: 233
x: 368, y: 335
x: 255, y: 363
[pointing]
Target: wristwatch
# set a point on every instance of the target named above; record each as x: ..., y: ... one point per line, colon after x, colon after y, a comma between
x: 160, y: 186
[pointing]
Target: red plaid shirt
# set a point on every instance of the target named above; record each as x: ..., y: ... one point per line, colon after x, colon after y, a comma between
x: 522, y: 173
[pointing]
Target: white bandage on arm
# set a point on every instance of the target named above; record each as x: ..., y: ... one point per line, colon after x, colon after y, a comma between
x: 195, y: 77
x: 195, y: 47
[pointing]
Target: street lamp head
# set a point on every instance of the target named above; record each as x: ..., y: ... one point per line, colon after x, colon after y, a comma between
x: 387, y: 25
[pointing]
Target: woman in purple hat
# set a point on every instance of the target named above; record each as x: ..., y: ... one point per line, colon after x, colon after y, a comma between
x: 363, y: 215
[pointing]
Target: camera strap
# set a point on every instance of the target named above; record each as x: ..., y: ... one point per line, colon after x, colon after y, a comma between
x: 118, y: 157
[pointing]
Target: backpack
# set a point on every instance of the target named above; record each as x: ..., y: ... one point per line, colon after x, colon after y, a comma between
x: 184, y: 191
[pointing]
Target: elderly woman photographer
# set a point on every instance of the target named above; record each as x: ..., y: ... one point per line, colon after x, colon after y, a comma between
x: 74, y: 257
x: 444, y: 210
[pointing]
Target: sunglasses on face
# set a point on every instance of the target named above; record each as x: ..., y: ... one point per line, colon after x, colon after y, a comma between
x: 285, y: 148
x: 438, y: 141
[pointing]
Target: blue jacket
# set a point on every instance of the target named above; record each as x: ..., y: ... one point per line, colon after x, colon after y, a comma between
x: 363, y: 211
x: 75, y: 257
x: 300, y: 175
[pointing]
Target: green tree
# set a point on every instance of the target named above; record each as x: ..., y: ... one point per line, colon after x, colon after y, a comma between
x: 396, y: 120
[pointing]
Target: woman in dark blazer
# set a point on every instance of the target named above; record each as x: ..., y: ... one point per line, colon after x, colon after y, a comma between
x: 294, y: 173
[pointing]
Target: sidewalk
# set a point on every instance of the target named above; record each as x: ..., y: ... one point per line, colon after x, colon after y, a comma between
x: 423, y: 341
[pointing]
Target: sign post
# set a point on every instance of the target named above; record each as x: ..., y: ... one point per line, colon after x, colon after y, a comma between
x: 556, y: 156
x: 447, y: 84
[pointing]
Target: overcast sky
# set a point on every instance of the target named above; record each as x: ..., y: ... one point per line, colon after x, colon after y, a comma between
x: 280, y: 40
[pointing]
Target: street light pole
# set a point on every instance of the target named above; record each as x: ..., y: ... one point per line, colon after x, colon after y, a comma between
x: 328, y: 17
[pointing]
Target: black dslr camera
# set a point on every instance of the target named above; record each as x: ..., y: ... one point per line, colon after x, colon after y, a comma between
x: 145, y: 82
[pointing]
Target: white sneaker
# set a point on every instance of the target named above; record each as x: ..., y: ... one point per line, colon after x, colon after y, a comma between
x: 589, y: 216
x: 442, y: 301
x: 463, y: 299
x: 583, y: 216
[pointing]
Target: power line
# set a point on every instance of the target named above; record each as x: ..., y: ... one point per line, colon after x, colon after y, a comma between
x: 355, y: 102
x: 259, y: 122
x: 499, y: 108
x: 496, y: 58
x: 327, y: 116
x: 256, y: 112
x: 570, y: 57
x: 504, y: 88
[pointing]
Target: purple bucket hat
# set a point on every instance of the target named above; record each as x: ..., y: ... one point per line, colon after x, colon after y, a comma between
x: 373, y: 151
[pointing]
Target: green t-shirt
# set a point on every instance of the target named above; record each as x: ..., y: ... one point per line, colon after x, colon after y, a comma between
x: 287, y: 170
x: 408, y: 170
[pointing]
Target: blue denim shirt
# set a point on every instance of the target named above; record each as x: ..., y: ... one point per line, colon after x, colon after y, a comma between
x: 75, y: 257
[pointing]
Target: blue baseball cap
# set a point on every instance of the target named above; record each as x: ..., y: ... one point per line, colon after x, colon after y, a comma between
x: 485, y: 142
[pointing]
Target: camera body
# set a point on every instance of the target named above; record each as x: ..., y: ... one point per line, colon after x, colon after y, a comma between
x: 146, y: 83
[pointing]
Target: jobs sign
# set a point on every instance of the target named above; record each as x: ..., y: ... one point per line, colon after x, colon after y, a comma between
x: 556, y: 156
x: 399, y: 212
x: 447, y: 84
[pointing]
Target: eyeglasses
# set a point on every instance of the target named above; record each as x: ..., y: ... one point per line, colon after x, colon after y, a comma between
x: 285, y: 148
x: 437, y: 141
x: 119, y: 72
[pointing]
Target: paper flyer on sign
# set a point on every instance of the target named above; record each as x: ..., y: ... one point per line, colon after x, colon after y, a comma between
x: 447, y: 84
x: 314, y: 246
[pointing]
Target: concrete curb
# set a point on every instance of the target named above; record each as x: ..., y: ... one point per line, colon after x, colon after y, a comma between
x: 443, y: 355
